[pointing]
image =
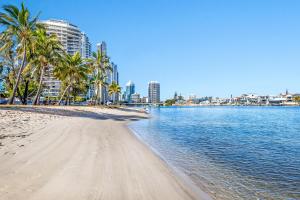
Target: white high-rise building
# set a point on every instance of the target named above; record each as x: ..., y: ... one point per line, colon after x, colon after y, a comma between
x: 73, y: 40
x: 154, y: 92
x: 68, y: 34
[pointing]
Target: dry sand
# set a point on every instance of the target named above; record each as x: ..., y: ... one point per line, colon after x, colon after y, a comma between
x: 64, y: 153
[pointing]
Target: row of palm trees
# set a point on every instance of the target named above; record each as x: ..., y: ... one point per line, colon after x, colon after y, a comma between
x: 28, y: 53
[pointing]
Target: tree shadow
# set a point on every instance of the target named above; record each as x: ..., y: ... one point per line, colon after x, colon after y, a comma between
x: 79, y: 113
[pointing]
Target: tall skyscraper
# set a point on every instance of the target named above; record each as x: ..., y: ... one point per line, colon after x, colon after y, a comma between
x: 86, y: 47
x: 105, y: 97
x: 130, y: 89
x: 115, y: 74
x: 115, y: 78
x: 102, y: 47
x: 73, y: 40
x: 154, y: 92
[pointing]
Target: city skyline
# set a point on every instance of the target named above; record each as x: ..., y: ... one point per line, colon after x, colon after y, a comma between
x: 208, y: 48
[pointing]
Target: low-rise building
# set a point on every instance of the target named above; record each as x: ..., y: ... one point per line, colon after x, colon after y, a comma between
x: 135, y: 98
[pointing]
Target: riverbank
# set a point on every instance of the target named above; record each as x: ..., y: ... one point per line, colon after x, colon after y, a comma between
x: 80, y: 153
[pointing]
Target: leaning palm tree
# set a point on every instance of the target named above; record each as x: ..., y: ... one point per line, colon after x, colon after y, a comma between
x: 46, y: 52
x: 114, y: 89
x: 72, y: 70
x: 20, y: 26
x: 100, y: 66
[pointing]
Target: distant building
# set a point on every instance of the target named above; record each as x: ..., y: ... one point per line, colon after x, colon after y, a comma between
x: 114, y: 78
x: 102, y: 47
x: 144, y: 100
x: 175, y: 96
x: 111, y: 76
x: 130, y: 89
x: 86, y: 47
x: 154, y: 92
x: 135, y: 98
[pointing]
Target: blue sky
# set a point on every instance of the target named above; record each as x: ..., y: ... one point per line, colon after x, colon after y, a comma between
x: 208, y: 48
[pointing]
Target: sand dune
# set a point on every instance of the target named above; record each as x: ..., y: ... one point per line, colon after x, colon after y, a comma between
x: 80, y: 153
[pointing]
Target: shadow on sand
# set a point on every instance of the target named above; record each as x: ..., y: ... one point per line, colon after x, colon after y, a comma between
x: 76, y: 112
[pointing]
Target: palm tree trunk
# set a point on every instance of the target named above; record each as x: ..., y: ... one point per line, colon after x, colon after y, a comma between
x: 37, y: 96
x: 25, y: 95
x: 12, y: 98
x: 96, y: 96
x: 20, y: 96
x: 63, y: 95
x: 113, y: 98
x: 100, y: 95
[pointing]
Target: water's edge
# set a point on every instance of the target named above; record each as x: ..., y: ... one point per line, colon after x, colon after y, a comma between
x: 181, y: 176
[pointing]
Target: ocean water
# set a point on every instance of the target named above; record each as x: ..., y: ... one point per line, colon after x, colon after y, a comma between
x: 230, y: 152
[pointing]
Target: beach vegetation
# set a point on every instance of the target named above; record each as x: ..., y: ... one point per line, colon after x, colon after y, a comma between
x: 46, y: 51
x: 169, y: 102
x: 71, y: 72
x: 113, y: 90
x: 19, y: 27
x: 99, y: 66
x: 28, y: 54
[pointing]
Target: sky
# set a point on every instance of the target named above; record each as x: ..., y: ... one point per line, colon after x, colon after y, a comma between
x: 201, y: 47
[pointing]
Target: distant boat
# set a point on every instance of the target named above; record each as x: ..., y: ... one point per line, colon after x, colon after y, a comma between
x: 146, y: 110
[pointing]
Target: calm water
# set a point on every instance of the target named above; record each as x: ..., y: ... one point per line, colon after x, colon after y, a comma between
x: 230, y: 152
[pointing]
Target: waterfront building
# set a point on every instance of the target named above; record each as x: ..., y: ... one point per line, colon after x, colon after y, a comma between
x: 112, y: 75
x: 69, y: 35
x: 130, y: 89
x: 144, y: 100
x: 102, y: 47
x: 115, y: 78
x: 73, y: 40
x: 135, y: 98
x: 175, y: 96
x: 86, y: 47
x: 154, y: 92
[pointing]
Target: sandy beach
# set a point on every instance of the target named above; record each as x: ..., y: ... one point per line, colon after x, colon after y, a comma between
x: 81, y: 153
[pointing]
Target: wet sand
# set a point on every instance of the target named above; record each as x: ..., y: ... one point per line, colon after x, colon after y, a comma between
x: 81, y: 153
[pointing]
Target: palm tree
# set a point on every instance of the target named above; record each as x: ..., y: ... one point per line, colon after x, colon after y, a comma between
x: 71, y: 71
x: 46, y: 52
x: 100, y: 65
x: 114, y: 88
x: 20, y: 26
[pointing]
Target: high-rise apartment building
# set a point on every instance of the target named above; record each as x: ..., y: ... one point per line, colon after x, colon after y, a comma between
x: 115, y: 78
x: 73, y: 40
x: 86, y: 47
x: 130, y: 90
x: 112, y: 75
x: 154, y: 92
x: 68, y: 34
x: 102, y: 47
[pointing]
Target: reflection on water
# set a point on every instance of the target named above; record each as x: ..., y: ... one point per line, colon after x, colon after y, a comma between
x: 231, y: 152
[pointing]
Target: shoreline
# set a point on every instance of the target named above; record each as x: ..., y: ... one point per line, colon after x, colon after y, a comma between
x: 90, y: 153
x: 183, y: 178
